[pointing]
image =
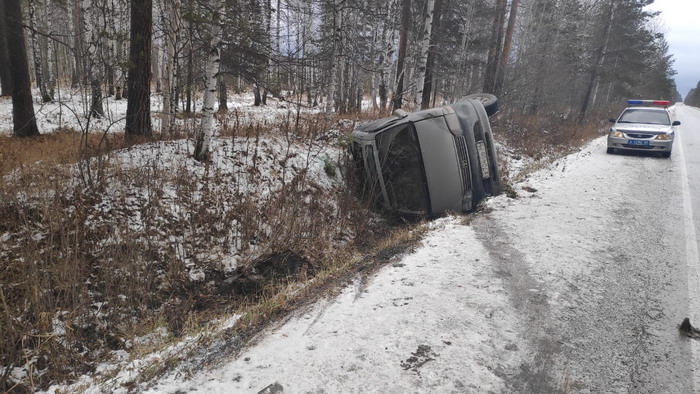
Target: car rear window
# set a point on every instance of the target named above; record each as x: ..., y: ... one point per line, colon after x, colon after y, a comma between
x: 641, y: 115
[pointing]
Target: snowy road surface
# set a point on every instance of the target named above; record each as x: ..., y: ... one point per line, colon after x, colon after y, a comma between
x: 578, y: 285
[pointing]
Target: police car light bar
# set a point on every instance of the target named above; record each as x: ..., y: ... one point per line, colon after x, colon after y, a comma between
x: 648, y: 102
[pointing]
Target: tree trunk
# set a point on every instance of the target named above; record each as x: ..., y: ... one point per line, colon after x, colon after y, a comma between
x: 36, y: 53
x: 598, y: 59
x: 507, y: 43
x: 423, y: 56
x: 223, y: 94
x: 5, y: 75
x: 428, y: 81
x: 23, y: 119
x: 170, y: 36
x: 334, y: 59
x: 75, y: 23
x: 138, y: 110
x: 190, y: 61
x: 51, y: 59
x: 403, y: 40
x: 201, y: 151
x: 387, y: 55
x: 494, y: 47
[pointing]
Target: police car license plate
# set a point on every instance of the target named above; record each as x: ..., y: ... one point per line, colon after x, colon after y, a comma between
x: 637, y: 142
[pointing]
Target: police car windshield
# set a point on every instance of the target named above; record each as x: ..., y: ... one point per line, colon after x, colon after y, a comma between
x: 644, y: 115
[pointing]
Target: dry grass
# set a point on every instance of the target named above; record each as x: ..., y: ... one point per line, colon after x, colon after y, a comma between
x: 61, y: 147
x: 538, y: 137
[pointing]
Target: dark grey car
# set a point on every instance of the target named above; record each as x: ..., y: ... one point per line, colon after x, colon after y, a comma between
x: 430, y: 161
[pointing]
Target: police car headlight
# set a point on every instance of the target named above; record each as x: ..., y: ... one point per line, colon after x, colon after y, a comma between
x: 664, y: 137
x: 617, y: 134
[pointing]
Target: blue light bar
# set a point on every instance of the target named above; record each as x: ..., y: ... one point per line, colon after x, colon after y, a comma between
x: 649, y: 102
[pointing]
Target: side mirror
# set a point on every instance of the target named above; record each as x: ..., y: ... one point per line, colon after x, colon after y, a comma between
x: 611, y: 120
x: 676, y: 123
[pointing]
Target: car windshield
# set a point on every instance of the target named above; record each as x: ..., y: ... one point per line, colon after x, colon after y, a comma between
x: 402, y: 169
x: 648, y: 116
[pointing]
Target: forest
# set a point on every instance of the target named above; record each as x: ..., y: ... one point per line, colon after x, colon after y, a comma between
x: 549, y: 58
x: 168, y: 163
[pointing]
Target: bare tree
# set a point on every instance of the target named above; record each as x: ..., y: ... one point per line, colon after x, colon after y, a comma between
x: 36, y: 51
x: 138, y: 110
x: 495, y: 47
x: 403, y: 42
x: 598, y: 60
x: 23, y: 119
x: 424, y: 46
x: 201, y: 151
x: 5, y: 75
x: 507, y: 44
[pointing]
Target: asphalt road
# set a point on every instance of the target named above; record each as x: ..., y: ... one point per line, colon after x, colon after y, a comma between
x: 602, y: 271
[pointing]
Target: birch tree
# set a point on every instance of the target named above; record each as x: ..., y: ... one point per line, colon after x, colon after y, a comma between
x: 403, y: 42
x: 333, y: 58
x: 206, y: 131
x: 424, y: 47
x: 385, y: 61
x: 36, y: 51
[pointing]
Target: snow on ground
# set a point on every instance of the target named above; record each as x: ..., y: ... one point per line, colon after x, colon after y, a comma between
x: 70, y: 106
x: 440, y: 319
x: 436, y: 320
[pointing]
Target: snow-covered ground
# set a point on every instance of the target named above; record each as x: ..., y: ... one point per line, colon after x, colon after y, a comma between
x: 438, y: 319
x: 70, y: 106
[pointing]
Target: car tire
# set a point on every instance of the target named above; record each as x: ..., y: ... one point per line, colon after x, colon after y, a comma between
x: 489, y: 101
x: 611, y: 151
x: 666, y: 154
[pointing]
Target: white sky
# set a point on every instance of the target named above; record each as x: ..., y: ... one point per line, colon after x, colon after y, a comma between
x: 680, y: 19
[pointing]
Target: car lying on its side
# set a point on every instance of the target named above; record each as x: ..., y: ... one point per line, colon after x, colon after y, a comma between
x: 643, y: 126
x: 430, y: 161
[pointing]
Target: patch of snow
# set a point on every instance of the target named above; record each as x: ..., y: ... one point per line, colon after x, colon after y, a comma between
x: 68, y: 109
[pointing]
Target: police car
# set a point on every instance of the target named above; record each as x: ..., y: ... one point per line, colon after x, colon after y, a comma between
x: 644, y: 126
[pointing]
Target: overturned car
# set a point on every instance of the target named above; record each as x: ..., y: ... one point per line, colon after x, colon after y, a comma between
x: 430, y: 161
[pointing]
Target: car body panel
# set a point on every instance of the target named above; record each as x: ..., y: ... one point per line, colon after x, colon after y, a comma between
x: 444, y: 183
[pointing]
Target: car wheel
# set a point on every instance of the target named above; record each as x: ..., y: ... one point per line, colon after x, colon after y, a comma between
x: 666, y: 154
x: 489, y: 101
x: 611, y: 151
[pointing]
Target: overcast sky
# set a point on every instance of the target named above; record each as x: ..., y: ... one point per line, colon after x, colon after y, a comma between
x: 680, y: 21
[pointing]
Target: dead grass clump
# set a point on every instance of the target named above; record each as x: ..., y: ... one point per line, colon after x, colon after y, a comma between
x: 61, y: 147
x: 538, y: 136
